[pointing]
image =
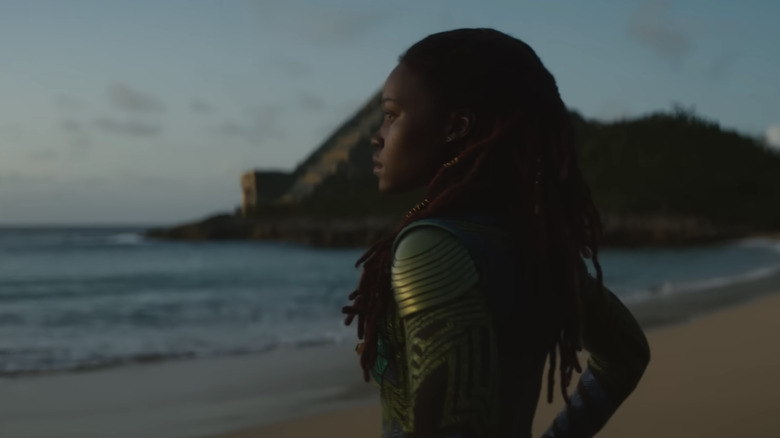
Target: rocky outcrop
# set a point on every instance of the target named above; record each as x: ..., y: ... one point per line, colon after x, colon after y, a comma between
x: 356, y: 232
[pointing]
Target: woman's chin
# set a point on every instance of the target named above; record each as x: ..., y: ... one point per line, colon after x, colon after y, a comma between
x: 384, y: 188
x: 388, y: 189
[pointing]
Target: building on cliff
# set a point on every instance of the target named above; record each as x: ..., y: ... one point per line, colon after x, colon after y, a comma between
x: 262, y: 187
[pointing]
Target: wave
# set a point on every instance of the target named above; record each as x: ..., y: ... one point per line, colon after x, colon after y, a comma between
x: 711, y: 283
x: 15, y: 364
x: 125, y: 239
x: 36, y: 240
x: 764, y: 267
x: 670, y: 288
x: 760, y: 242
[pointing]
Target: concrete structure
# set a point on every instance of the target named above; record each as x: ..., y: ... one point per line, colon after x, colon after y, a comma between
x: 249, y: 191
x: 262, y: 187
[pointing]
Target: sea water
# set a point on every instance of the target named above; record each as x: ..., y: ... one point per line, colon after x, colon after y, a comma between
x: 83, y: 298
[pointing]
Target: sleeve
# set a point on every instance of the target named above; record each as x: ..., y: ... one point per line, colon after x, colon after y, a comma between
x: 619, y: 354
x: 451, y: 353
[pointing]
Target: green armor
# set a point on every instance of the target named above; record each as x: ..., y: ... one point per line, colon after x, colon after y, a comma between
x: 446, y: 353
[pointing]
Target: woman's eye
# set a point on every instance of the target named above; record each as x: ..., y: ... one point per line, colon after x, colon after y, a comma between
x: 389, y: 116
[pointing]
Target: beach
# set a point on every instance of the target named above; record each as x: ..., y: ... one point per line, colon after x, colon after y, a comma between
x: 713, y: 377
x: 712, y: 374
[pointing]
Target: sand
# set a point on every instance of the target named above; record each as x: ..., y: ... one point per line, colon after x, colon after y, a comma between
x: 194, y: 398
x: 713, y: 377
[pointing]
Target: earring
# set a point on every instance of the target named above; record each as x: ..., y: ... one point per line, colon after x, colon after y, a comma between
x: 450, y: 163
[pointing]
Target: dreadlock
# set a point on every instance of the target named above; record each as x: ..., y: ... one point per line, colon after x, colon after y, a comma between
x: 520, y: 155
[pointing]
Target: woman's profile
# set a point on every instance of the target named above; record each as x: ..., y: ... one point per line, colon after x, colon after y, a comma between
x: 486, y: 278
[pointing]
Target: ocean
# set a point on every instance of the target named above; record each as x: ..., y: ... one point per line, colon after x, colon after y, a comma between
x: 84, y: 298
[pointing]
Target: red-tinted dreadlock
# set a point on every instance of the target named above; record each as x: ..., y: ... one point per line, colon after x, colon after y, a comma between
x: 520, y: 155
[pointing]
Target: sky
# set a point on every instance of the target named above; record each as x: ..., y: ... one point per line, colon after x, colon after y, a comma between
x: 147, y: 111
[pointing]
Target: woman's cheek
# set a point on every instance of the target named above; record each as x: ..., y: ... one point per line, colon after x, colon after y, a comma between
x: 396, y: 135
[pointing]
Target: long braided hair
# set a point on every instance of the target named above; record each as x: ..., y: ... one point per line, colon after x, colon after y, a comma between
x: 520, y: 157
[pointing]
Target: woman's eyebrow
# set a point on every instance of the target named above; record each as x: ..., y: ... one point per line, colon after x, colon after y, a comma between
x: 388, y: 99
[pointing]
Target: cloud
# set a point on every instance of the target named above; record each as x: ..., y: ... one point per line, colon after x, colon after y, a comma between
x: 128, y: 99
x: 291, y: 67
x: 43, y: 155
x: 651, y: 25
x: 11, y: 178
x: 772, y: 136
x: 80, y: 142
x: 133, y: 128
x: 68, y: 103
x: 340, y: 26
x: 318, y: 23
x: 72, y: 126
x: 232, y: 129
x: 311, y: 101
x: 263, y: 125
x: 76, y: 133
x: 201, y: 107
x: 721, y: 65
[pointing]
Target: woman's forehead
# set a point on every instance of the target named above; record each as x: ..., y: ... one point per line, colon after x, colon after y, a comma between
x: 404, y: 86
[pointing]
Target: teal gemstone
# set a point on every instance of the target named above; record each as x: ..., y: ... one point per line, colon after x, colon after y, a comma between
x: 381, y: 361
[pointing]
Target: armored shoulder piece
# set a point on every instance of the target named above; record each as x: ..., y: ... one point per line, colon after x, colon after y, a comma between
x: 430, y: 267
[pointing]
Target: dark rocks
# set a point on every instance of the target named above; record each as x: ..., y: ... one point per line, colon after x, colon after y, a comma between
x: 358, y: 232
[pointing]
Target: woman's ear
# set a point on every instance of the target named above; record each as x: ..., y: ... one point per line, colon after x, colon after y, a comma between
x: 462, y: 122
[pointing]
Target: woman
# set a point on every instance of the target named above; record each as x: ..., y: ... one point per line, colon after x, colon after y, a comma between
x: 460, y: 307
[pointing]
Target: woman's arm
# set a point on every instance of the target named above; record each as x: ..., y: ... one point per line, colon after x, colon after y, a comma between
x: 450, y: 349
x: 619, y: 354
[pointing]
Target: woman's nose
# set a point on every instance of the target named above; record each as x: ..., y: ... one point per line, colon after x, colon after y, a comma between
x: 376, y: 140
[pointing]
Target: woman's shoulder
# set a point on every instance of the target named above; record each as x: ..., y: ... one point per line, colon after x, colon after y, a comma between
x: 422, y: 233
x: 430, y: 267
x: 467, y: 228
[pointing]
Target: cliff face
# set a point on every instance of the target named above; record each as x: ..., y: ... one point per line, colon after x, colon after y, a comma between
x: 346, y: 152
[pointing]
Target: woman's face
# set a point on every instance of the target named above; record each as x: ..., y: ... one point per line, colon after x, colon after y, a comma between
x: 410, y: 144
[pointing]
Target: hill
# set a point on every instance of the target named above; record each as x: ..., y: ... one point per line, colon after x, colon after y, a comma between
x: 661, y: 179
